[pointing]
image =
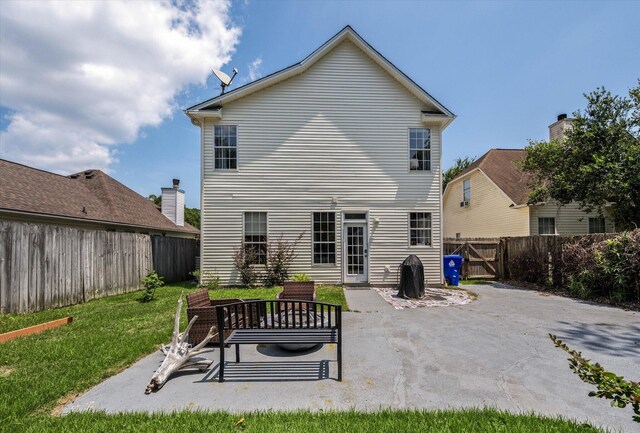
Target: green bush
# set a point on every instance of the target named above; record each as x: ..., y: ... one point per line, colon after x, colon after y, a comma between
x: 213, y: 281
x: 151, y: 282
x: 280, y: 256
x: 244, y: 260
x: 607, y: 268
x: 301, y: 278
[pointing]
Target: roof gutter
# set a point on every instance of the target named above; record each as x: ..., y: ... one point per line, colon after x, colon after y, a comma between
x: 88, y: 221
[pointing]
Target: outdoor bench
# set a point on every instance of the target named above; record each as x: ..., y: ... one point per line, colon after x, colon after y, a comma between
x: 279, y: 322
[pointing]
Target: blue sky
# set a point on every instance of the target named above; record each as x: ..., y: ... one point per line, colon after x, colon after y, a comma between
x: 506, y: 69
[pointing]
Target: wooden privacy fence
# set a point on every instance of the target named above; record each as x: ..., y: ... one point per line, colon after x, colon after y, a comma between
x: 173, y: 258
x: 535, y: 259
x: 44, y: 266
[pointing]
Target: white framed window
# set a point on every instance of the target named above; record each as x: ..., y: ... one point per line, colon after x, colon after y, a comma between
x: 225, y: 147
x: 466, y: 191
x: 546, y: 226
x: 597, y: 225
x: 255, y: 235
x: 419, y: 228
x: 324, y: 238
x: 419, y: 149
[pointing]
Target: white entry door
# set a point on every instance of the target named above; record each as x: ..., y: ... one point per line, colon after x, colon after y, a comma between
x: 355, y: 252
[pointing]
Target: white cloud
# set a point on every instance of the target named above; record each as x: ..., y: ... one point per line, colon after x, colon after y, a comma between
x: 254, y: 69
x: 82, y: 77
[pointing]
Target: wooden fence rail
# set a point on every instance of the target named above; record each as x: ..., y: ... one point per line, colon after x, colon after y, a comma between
x: 44, y: 266
x: 535, y: 259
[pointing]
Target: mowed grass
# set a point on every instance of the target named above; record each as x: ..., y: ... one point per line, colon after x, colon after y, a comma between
x: 461, y: 421
x: 41, y: 372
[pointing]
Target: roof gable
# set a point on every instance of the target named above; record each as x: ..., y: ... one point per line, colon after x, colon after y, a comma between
x: 501, y: 166
x: 346, y: 33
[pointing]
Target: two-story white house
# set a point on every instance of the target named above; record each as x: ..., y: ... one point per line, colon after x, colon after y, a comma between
x: 342, y: 147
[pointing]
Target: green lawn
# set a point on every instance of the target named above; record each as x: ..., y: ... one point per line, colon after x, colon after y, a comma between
x: 39, y: 372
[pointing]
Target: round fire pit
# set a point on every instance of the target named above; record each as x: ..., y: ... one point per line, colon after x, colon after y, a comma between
x: 287, y: 317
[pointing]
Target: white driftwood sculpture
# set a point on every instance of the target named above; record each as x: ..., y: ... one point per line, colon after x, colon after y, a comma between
x: 180, y: 354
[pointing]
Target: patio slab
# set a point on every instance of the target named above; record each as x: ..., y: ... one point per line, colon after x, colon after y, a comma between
x: 493, y: 351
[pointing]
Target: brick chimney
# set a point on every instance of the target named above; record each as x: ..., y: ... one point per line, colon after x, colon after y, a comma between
x: 173, y: 203
x: 558, y: 129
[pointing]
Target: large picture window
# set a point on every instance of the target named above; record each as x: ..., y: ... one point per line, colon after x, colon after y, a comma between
x: 597, y: 225
x: 324, y: 238
x: 225, y: 143
x: 255, y: 235
x: 419, y: 149
x: 546, y: 226
x: 420, y: 228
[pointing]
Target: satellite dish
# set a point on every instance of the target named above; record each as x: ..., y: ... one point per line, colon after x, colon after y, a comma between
x: 225, y: 80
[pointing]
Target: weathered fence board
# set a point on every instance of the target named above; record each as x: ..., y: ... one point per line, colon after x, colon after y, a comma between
x: 44, y: 266
x: 173, y: 258
x: 480, y: 256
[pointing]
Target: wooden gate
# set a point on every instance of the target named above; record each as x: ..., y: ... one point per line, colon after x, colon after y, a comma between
x: 480, y: 256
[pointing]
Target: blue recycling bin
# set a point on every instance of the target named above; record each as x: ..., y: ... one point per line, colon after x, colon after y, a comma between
x: 452, y: 266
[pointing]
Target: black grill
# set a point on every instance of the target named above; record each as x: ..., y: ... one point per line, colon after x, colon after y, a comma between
x: 411, y: 278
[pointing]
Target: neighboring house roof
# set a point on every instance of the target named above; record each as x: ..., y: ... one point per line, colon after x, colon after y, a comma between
x: 346, y: 33
x: 500, y: 165
x: 89, y: 195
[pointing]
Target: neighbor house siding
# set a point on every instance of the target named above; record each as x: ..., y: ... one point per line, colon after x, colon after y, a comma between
x: 488, y: 214
x: 339, y: 130
x: 570, y: 220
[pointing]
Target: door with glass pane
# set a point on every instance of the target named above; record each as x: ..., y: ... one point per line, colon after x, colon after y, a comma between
x: 355, y: 253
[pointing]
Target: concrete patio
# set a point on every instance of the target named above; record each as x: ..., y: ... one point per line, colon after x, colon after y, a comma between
x: 493, y: 351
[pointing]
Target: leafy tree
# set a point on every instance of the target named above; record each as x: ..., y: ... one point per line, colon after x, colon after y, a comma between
x: 598, y: 161
x: 191, y: 214
x: 459, y: 165
x: 156, y: 199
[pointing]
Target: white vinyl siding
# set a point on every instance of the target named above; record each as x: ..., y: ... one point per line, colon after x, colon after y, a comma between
x: 313, y: 143
x: 570, y: 220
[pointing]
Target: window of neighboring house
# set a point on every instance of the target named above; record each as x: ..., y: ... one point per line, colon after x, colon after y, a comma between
x: 255, y: 235
x: 324, y: 238
x: 225, y: 143
x: 466, y: 191
x: 546, y: 226
x: 419, y: 228
x: 419, y: 149
x: 597, y: 225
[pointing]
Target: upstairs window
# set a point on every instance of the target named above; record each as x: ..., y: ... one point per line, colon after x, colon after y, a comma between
x: 255, y: 235
x: 597, y: 225
x: 419, y: 228
x: 225, y: 143
x: 546, y: 226
x: 419, y: 149
x: 324, y: 238
x: 466, y: 191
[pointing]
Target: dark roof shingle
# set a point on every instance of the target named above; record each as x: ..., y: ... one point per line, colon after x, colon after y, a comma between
x: 90, y: 195
x: 501, y: 166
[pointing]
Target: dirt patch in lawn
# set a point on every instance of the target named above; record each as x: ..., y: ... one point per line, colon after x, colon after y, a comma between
x: 5, y: 370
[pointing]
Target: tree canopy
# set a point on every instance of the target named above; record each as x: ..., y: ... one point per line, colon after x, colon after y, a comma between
x: 459, y: 165
x: 597, y: 164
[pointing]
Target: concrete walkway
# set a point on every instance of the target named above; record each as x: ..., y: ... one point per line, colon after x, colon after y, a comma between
x: 492, y: 352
